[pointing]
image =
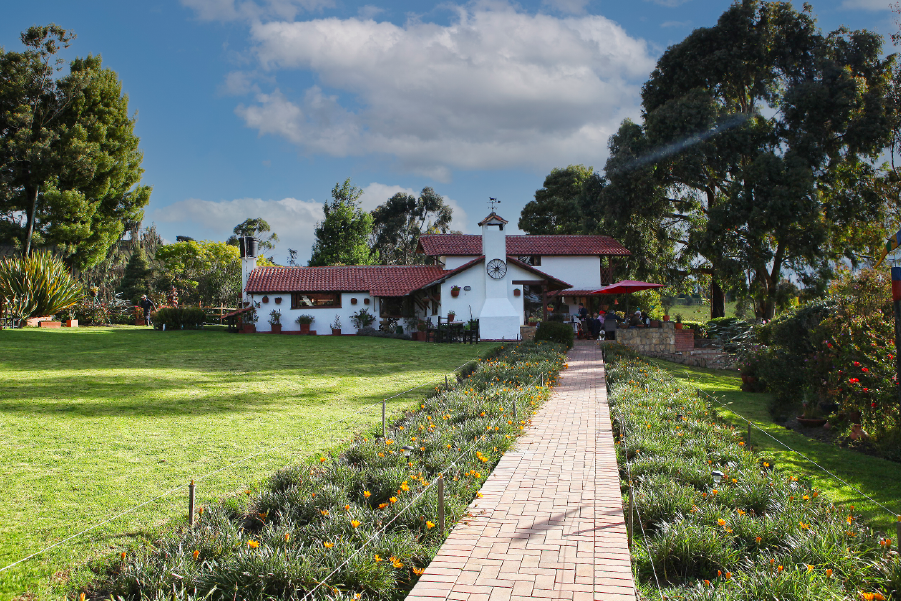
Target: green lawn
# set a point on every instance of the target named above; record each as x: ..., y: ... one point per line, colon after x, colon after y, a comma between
x: 876, y: 478
x: 95, y: 421
x: 698, y: 313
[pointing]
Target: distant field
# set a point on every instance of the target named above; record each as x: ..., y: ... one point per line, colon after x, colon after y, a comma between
x: 699, y: 313
x: 94, y: 421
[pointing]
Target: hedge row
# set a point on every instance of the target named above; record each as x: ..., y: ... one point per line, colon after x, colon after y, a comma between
x: 369, y: 514
x: 760, y: 533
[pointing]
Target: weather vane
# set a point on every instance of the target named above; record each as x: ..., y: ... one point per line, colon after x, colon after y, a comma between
x: 492, y: 202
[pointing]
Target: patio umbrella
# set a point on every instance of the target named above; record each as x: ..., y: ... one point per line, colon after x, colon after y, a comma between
x: 626, y: 287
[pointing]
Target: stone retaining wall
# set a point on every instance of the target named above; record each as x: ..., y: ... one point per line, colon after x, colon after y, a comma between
x: 672, y: 345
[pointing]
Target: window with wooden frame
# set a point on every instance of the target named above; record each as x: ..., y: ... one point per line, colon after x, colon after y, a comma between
x: 315, y: 300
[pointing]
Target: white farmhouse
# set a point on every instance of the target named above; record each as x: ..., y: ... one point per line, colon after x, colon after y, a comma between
x: 495, y: 278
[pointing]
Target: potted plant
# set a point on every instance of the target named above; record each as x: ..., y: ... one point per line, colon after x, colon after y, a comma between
x: 265, y: 299
x: 304, y: 321
x: 450, y: 316
x: 811, y: 417
x: 678, y: 321
x: 421, y: 328
x: 275, y: 321
x: 336, y: 326
x: 248, y: 321
x: 517, y: 292
x: 455, y: 291
x: 278, y: 300
x: 362, y: 319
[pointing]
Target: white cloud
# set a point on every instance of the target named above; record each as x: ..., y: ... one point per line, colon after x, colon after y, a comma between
x: 496, y: 88
x: 234, y: 10
x: 369, y: 12
x: 867, y: 4
x: 239, y: 83
x: 293, y: 220
x: 675, y: 24
x: 668, y: 3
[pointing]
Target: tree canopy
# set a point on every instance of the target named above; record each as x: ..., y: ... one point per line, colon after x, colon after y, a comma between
x: 556, y: 208
x: 342, y: 238
x: 398, y: 224
x: 254, y: 227
x: 69, y: 159
x: 755, y: 155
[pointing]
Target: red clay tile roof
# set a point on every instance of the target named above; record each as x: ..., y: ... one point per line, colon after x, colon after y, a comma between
x: 468, y: 244
x: 378, y: 280
x: 493, y: 216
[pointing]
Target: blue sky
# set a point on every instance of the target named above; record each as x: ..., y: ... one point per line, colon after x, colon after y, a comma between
x: 257, y: 108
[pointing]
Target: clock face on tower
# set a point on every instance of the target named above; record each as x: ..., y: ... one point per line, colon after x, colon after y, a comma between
x: 497, y: 269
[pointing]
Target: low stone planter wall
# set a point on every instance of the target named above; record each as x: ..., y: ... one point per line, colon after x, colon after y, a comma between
x: 650, y: 340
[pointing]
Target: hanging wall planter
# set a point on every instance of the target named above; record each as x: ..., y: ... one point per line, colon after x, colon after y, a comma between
x: 265, y: 299
x: 365, y: 301
x: 353, y: 301
x: 278, y: 300
x: 517, y: 292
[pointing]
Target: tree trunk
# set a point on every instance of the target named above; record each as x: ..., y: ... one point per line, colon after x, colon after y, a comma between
x: 717, y: 300
x: 32, y: 196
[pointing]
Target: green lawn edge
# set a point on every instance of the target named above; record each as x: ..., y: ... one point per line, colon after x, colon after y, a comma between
x: 879, y: 479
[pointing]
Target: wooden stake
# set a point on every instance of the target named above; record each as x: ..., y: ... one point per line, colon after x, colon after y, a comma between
x: 383, y: 418
x: 631, y: 514
x: 514, y: 409
x: 441, y: 503
x: 749, y: 435
x: 898, y: 533
x: 446, y: 385
x: 191, y: 503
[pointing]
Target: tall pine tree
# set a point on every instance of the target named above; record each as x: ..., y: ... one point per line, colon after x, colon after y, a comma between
x: 342, y: 238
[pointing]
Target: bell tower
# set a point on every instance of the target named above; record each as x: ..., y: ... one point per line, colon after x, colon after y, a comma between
x: 498, y: 318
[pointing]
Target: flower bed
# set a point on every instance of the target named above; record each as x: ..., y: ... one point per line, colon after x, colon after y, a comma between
x: 758, y: 533
x: 360, y: 525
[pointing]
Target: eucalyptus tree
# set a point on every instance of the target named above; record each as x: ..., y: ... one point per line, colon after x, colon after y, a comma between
x: 342, y: 237
x: 398, y: 223
x: 556, y: 209
x: 756, y: 152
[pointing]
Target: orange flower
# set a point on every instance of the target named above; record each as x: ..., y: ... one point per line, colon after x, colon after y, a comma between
x: 322, y: 460
x: 253, y: 544
x: 707, y: 582
x: 323, y: 511
x: 328, y: 545
x: 418, y: 571
x: 377, y: 558
x: 757, y: 540
x: 382, y: 505
x: 347, y: 508
x: 393, y: 499
x: 721, y: 522
x: 728, y: 575
x: 367, y: 494
x: 354, y: 523
x: 809, y: 568
x: 429, y: 525
x: 287, y: 536
x: 829, y: 573
x: 196, y: 554
x: 396, y: 562
x: 122, y: 555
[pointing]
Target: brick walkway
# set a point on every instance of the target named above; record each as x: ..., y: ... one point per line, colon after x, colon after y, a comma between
x: 550, y: 524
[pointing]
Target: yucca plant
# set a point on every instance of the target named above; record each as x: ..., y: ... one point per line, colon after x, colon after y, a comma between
x: 37, y: 285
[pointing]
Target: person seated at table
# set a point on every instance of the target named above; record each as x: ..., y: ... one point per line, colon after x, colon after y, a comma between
x: 595, y: 325
x: 636, y: 320
x: 645, y: 318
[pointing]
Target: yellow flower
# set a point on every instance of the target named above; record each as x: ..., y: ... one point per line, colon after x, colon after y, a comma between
x: 328, y: 545
x: 393, y: 499
x: 323, y: 511
x: 367, y: 494
x: 721, y: 522
x: 347, y: 508
x: 287, y: 536
x: 757, y: 540
x: 396, y: 562
x: 382, y: 505
x: 429, y: 525
x: 196, y: 554
x: 804, y: 526
x: 354, y: 523
x: 253, y: 544
x: 377, y: 558
x: 322, y: 460
x: 418, y: 571
x: 404, y: 487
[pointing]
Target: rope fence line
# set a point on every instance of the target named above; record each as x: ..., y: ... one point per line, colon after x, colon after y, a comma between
x: 384, y: 528
x: 799, y: 453
x: 213, y: 473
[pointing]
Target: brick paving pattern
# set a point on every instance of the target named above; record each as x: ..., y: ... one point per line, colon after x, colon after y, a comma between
x: 550, y: 523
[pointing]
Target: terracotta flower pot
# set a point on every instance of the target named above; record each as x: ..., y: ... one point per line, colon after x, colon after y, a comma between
x: 73, y: 323
x: 812, y: 422
x: 304, y: 328
x: 276, y: 328
x: 336, y: 332
x: 678, y: 326
x: 666, y: 318
x: 265, y: 299
x: 455, y: 293
x: 278, y: 300
x: 365, y: 301
x: 517, y: 292
x: 353, y: 301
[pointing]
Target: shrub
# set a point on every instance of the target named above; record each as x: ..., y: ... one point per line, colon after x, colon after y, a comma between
x: 37, y: 285
x: 362, y: 319
x: 555, y: 331
x: 305, y: 319
x: 179, y: 318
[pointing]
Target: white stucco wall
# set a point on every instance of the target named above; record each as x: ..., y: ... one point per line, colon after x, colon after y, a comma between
x: 582, y: 273
x: 323, y: 317
x: 454, y: 262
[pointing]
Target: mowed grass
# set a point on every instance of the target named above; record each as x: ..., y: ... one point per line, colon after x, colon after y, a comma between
x: 876, y: 478
x: 95, y: 421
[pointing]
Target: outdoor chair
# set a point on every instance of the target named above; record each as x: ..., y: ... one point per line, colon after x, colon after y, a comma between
x: 610, y: 326
x: 472, y: 334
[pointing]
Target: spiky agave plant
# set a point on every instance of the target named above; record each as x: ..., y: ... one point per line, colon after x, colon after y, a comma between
x: 37, y: 285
